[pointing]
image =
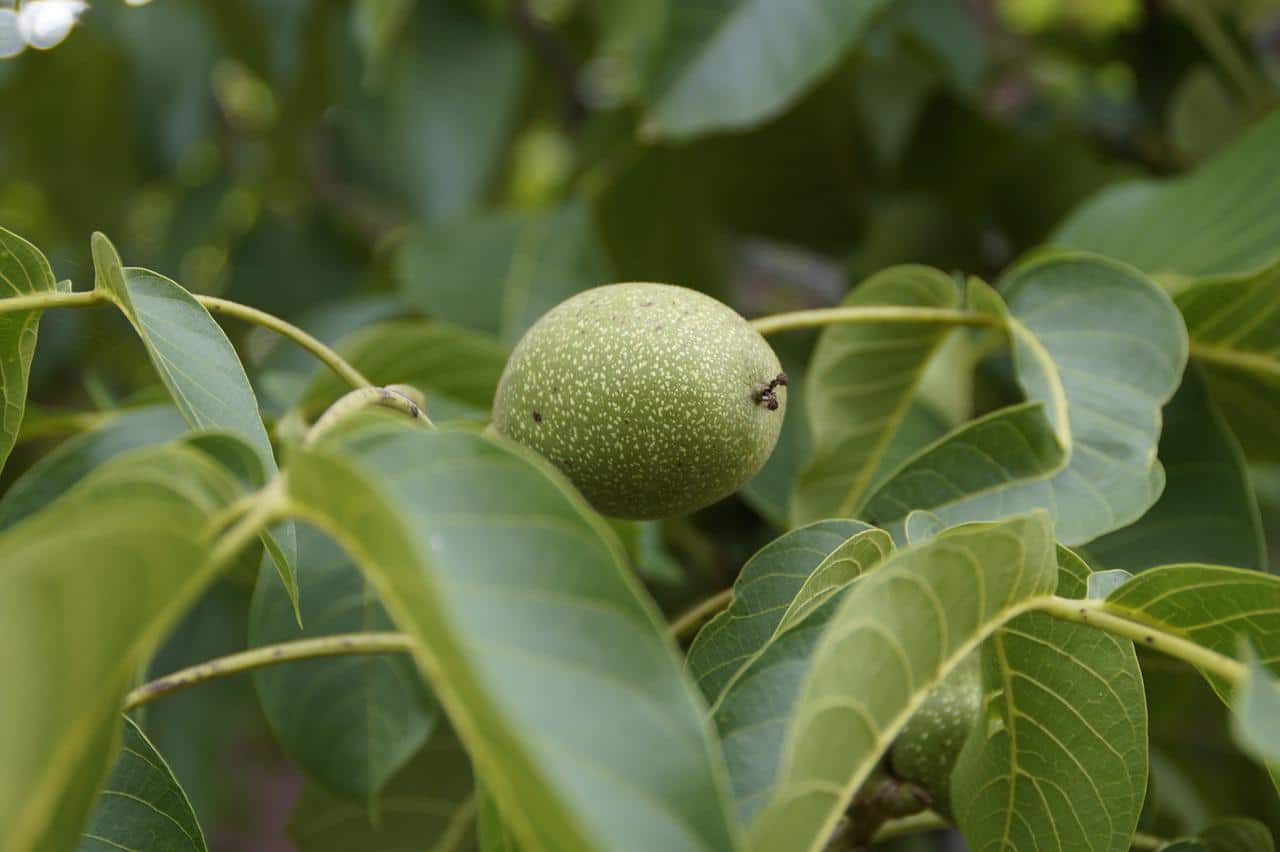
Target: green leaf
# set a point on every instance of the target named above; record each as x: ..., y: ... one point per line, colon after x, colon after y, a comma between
x: 457, y: 368
x: 894, y: 636
x: 91, y: 584
x: 1222, y: 219
x: 1234, y: 325
x: 752, y: 710
x: 71, y: 461
x: 428, y: 805
x: 493, y: 833
x: 1208, y: 511
x: 195, y: 360
x: 350, y: 722
x: 732, y: 64
x: 1211, y: 605
x: 765, y: 587
x: 1102, y: 348
x: 979, y: 467
x: 1062, y: 761
x: 521, y: 602
x: 499, y: 273
x: 861, y: 382
x: 1234, y: 834
x: 142, y: 806
x: 1256, y: 720
x: 24, y: 270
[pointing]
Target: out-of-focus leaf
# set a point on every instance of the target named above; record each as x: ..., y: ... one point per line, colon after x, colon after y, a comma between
x: 499, y: 273
x: 1203, y: 115
x: 494, y: 834
x: 142, y: 806
x: 1233, y: 834
x: 735, y: 63
x: 765, y: 586
x: 1234, y: 325
x: 861, y: 381
x: 1222, y: 219
x: 92, y: 582
x: 68, y: 463
x: 896, y: 633
x: 492, y: 563
x: 349, y: 721
x: 1208, y: 511
x: 1067, y: 713
x: 1256, y: 720
x: 24, y: 271
x: 429, y: 804
x: 457, y: 368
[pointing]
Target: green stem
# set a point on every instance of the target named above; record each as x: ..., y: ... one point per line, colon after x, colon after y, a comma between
x: 1098, y: 614
x: 914, y: 824
x: 258, y: 511
x: 1204, y: 22
x: 1250, y: 362
x: 331, y: 359
x: 327, y: 356
x: 396, y: 397
x: 269, y: 655
x: 692, y: 618
x: 874, y: 314
x: 1146, y: 841
x: 43, y: 301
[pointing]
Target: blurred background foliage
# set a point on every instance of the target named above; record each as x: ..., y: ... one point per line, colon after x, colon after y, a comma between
x: 363, y: 166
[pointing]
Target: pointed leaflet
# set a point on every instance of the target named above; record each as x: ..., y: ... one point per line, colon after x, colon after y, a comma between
x: 519, y: 598
x: 142, y: 806
x: 195, y: 360
x: 895, y: 635
x: 23, y: 271
x: 1234, y: 325
x: 430, y: 804
x: 350, y: 721
x: 1103, y: 349
x: 861, y: 382
x: 1222, y: 219
x: 91, y: 583
x: 754, y: 707
x: 735, y: 63
x: 765, y: 587
x: 1208, y: 511
x: 1211, y: 605
x: 1062, y: 761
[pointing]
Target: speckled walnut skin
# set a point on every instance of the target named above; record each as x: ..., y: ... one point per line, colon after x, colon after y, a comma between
x: 654, y: 400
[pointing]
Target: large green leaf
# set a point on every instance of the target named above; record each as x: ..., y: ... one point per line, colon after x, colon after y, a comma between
x: 68, y: 463
x: 351, y: 721
x: 499, y: 273
x: 428, y: 805
x: 24, y: 271
x: 197, y: 363
x: 519, y: 598
x: 894, y: 635
x: 1222, y: 219
x: 1234, y: 325
x: 1208, y: 511
x: 91, y: 583
x: 754, y: 707
x: 734, y: 63
x: 457, y: 368
x: 861, y: 382
x: 765, y: 587
x: 142, y: 805
x: 1062, y: 763
x: 1212, y: 605
x: 1103, y: 349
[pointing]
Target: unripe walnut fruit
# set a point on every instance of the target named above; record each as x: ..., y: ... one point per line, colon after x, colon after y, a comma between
x: 654, y: 400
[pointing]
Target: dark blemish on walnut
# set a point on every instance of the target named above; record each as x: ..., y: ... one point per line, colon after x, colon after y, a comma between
x: 765, y: 392
x: 537, y: 417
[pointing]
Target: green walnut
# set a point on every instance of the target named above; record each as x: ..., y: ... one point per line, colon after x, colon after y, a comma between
x: 654, y: 400
x: 925, y: 751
